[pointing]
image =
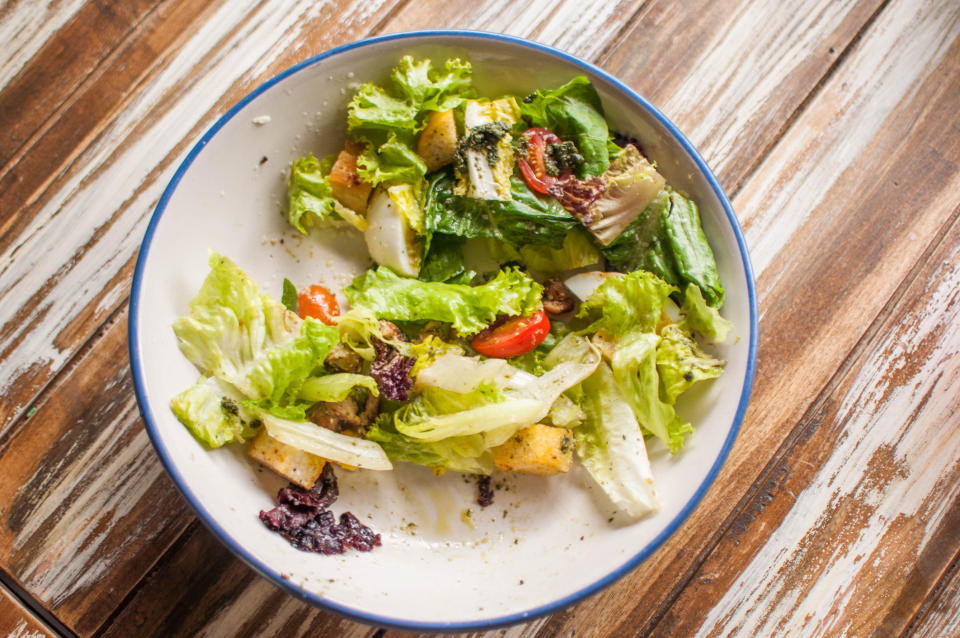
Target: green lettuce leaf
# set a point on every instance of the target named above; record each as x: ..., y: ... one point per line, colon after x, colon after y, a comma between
x: 666, y: 239
x: 610, y: 445
x: 526, y: 219
x: 628, y: 303
x: 257, y: 350
x: 393, y: 162
x: 468, y: 454
x: 691, y: 252
x: 212, y: 411
x: 681, y: 363
x: 703, y: 319
x: 373, y: 115
x: 433, y: 89
x: 336, y: 387
x: 574, y: 112
x: 634, y: 365
x: 468, y: 308
x: 310, y: 199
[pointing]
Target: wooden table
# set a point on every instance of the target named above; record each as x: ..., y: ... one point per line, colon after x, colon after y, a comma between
x: 833, y: 125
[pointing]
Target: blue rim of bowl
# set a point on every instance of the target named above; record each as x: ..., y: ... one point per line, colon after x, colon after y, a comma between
x: 397, y: 623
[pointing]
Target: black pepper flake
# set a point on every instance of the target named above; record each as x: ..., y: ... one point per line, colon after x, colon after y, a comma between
x: 263, y: 160
x: 484, y: 491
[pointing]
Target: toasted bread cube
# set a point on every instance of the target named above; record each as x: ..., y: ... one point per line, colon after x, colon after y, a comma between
x: 345, y: 182
x: 537, y: 449
x: 295, y: 465
x: 437, y: 144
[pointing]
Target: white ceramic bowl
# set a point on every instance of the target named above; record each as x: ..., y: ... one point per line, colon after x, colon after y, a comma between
x: 543, y: 544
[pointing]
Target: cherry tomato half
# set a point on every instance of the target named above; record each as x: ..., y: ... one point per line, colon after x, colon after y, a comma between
x: 533, y: 166
x: 514, y: 337
x: 319, y: 303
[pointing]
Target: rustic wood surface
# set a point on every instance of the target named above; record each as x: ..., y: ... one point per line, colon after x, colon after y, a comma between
x: 832, y: 124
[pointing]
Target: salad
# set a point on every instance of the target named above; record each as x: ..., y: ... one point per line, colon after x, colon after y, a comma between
x: 539, y: 294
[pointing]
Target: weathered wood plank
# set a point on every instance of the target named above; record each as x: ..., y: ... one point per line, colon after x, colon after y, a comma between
x: 941, y: 616
x: 204, y: 590
x: 876, y: 461
x: 62, y: 64
x: 731, y: 73
x: 555, y: 22
x: 26, y: 26
x: 66, y: 257
x: 16, y: 621
x: 86, y: 504
x: 861, y: 167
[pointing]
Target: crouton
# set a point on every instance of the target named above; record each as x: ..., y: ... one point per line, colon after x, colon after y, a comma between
x: 295, y: 465
x: 537, y: 449
x: 437, y: 144
x: 345, y: 182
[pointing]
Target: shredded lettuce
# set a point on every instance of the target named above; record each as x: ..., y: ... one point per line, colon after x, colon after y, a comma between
x: 681, y: 363
x: 468, y: 308
x: 622, y: 304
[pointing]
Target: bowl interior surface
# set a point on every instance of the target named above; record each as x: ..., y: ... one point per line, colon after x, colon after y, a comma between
x: 445, y: 562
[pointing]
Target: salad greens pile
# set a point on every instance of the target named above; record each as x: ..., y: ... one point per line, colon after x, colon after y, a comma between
x: 539, y: 291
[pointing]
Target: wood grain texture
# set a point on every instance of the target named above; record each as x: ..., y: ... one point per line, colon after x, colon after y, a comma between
x: 16, y: 621
x: 941, y: 613
x: 833, y: 122
x: 875, y: 103
x: 733, y: 74
x: 60, y: 66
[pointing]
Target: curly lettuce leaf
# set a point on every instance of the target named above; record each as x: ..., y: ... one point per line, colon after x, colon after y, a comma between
x: 634, y: 365
x: 468, y: 308
x: 623, y: 304
x: 681, y: 363
x: 703, y: 319
x: 310, y: 199
x: 433, y: 89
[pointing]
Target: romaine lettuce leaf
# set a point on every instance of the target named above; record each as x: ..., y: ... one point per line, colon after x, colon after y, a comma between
x: 258, y: 350
x: 703, y: 319
x: 335, y: 387
x: 328, y: 444
x: 574, y: 112
x: 525, y: 219
x: 691, y: 252
x: 212, y: 410
x: 681, y: 362
x: 468, y: 308
x: 634, y: 365
x: 610, y: 445
x: 631, y: 184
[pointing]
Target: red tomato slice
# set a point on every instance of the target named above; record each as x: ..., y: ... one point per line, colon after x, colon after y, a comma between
x: 533, y: 166
x: 319, y: 303
x: 513, y: 338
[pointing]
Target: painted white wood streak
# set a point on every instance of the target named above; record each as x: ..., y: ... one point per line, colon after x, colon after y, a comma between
x: 23, y: 630
x: 26, y: 26
x: 79, y: 552
x: 944, y: 618
x: 835, y: 130
x: 257, y: 603
x: 106, y: 191
x: 892, y: 464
